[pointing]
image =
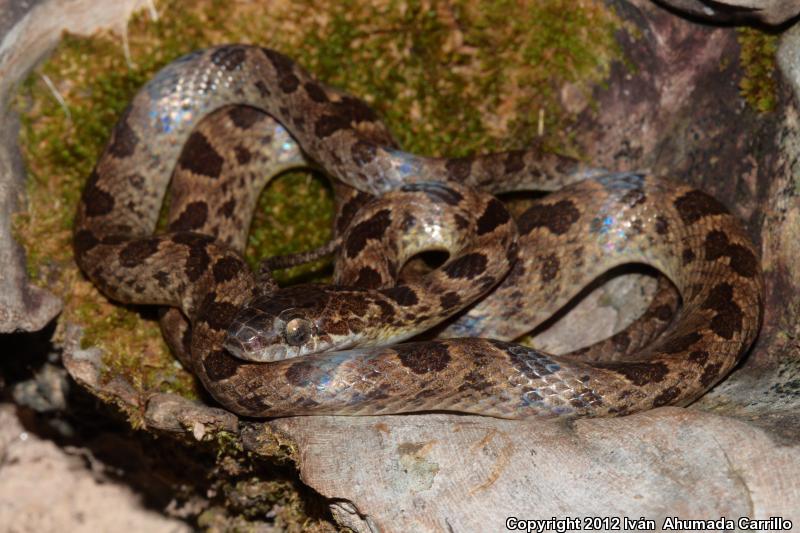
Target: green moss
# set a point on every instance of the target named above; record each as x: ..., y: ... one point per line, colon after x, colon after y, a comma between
x: 294, y: 213
x: 227, y: 444
x: 453, y: 78
x: 448, y: 77
x: 758, y: 85
x: 254, y: 506
x: 249, y: 492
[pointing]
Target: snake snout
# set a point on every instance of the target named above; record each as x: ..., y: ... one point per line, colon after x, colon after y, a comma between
x: 253, y: 344
x: 244, y: 343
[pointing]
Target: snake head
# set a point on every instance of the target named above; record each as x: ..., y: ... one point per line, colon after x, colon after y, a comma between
x: 286, y: 323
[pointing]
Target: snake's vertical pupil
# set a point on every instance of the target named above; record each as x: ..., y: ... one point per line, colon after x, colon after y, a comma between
x: 298, y: 331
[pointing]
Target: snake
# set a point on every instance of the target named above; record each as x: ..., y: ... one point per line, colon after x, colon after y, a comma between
x: 589, y: 223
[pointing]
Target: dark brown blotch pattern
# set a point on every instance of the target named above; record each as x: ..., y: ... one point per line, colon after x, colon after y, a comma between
x: 244, y: 117
x: 243, y: 155
x: 681, y: 343
x: 450, y: 300
x: 123, y: 140
x: 423, y: 358
x: 196, y: 263
x: 288, y: 82
x: 372, y: 228
x: 136, y: 252
x: 711, y: 373
x: 136, y: 181
x: 357, y: 110
x: 475, y: 380
x: 227, y: 209
x: 315, y: 92
x: 254, y: 404
x: 402, y: 295
x: 327, y: 125
x: 220, y: 365
x: 198, y: 259
x: 695, y: 205
x: 300, y: 374
x: 727, y: 321
x: 337, y: 327
x: 742, y: 260
x: 229, y: 57
x: 363, y: 152
x: 217, y: 314
x: 200, y: 157
x: 193, y: 217
x: 96, y: 201
x: 663, y: 312
x: 262, y: 89
x: 368, y: 278
x: 493, y: 216
x: 341, y: 115
x: 227, y: 268
x: 586, y: 398
x: 461, y: 222
x: 699, y: 357
x: 84, y: 241
x: 662, y: 225
x: 514, y: 162
x: 557, y: 218
x: 162, y: 277
x: 550, y: 266
x: 349, y: 209
x: 459, y: 168
x: 467, y: 266
x: 485, y: 283
x: 639, y: 374
x: 667, y: 396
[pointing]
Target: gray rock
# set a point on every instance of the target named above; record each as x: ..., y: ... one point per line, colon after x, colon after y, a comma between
x: 773, y: 12
x: 46, y: 391
x: 169, y: 412
x: 28, y: 30
x: 789, y: 58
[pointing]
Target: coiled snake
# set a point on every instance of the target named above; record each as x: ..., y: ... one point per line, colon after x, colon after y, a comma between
x: 576, y: 233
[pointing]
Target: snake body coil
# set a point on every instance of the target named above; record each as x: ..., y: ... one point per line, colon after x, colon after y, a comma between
x: 588, y: 227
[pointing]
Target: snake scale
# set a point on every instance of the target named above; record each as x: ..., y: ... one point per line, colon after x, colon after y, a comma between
x: 583, y: 228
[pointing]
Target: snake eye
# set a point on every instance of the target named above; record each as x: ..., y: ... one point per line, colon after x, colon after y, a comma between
x: 298, y: 331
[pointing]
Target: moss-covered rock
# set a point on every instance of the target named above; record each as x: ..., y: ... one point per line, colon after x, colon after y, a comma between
x: 759, y: 85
